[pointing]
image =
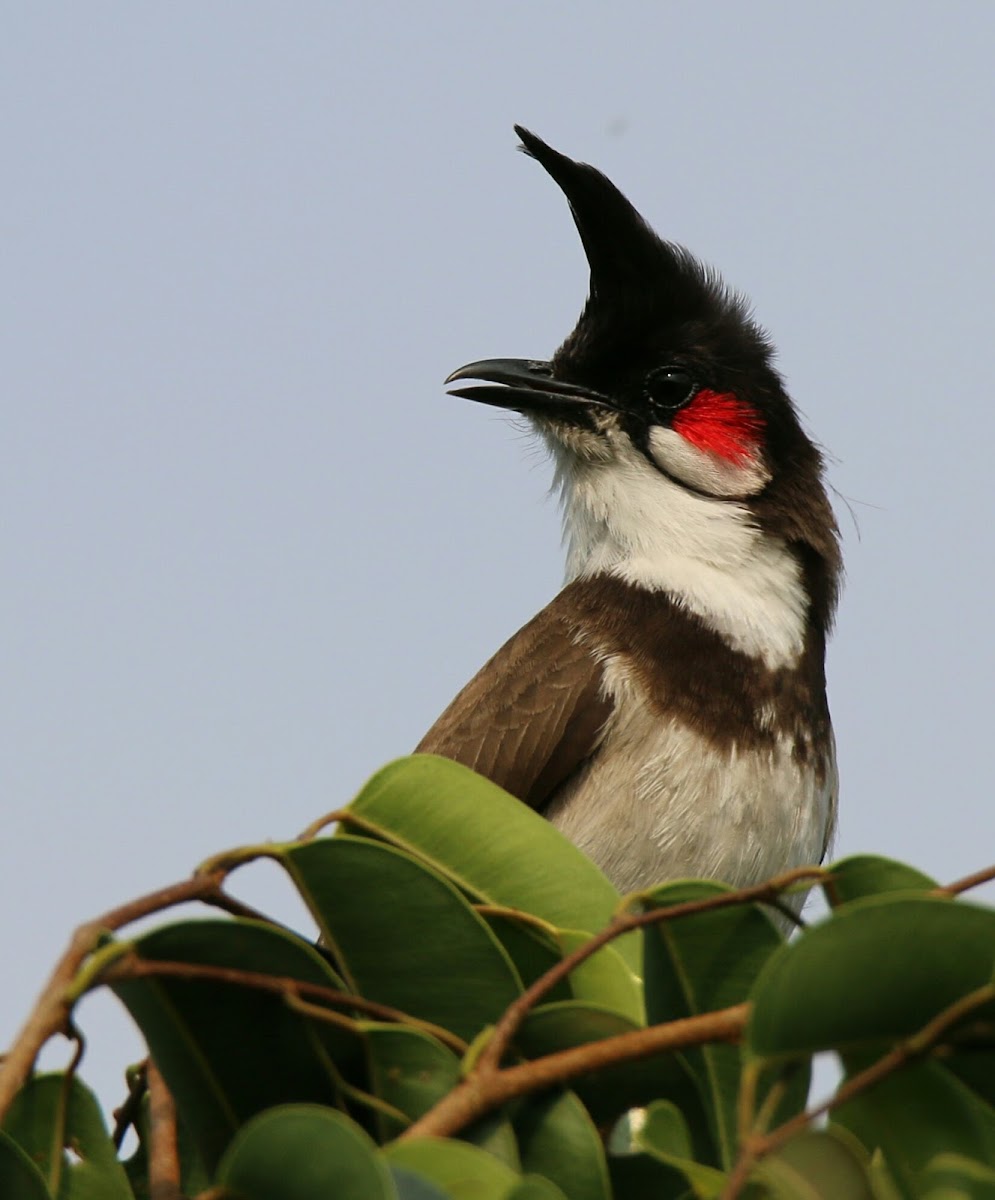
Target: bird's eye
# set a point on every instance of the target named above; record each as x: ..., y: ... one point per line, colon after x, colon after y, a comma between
x: 669, y: 388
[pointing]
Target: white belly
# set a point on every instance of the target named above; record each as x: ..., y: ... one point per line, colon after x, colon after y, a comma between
x: 658, y: 802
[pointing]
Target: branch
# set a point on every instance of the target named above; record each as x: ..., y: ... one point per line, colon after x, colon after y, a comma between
x: 516, y: 1012
x: 53, y: 1007
x: 164, y: 1154
x: 910, y: 1048
x: 486, y: 1089
x: 487, y: 1086
x: 969, y: 881
x: 127, y: 1114
x: 130, y: 966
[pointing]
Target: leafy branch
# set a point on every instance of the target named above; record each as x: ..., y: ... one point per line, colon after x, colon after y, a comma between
x: 453, y: 978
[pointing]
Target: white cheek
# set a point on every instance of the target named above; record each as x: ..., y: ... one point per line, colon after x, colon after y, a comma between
x: 703, y: 470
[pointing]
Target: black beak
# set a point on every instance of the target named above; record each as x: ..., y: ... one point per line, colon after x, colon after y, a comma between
x: 527, y: 387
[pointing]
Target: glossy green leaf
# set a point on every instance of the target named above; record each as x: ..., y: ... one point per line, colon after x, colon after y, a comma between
x: 611, y: 1091
x: 534, y: 947
x: 304, y: 1152
x: 412, y: 1072
x: 641, y: 1177
x: 918, y: 1113
x: 462, y: 1171
x: 530, y: 944
x: 205, y: 1035
x: 54, y: 1114
x: 535, y: 1187
x: 604, y: 979
x: 558, y: 1140
x: 402, y: 934
x: 653, y: 1156
x: 494, y: 847
x: 661, y: 1128
x: 879, y: 970
x: 20, y: 1179
x: 954, y: 1177
x: 871, y: 875
x: 814, y: 1165
x: 663, y: 1134
x: 975, y: 1067
x: 411, y: 1186
x: 698, y: 964
x: 409, y: 1070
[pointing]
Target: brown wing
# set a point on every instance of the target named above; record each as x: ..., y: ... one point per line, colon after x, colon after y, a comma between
x: 531, y: 715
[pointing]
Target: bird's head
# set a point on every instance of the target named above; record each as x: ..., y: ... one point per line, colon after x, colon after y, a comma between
x: 664, y: 394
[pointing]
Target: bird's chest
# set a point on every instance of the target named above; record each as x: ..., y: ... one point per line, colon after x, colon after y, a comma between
x: 659, y: 800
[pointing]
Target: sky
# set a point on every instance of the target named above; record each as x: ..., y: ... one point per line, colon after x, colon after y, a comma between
x: 251, y: 549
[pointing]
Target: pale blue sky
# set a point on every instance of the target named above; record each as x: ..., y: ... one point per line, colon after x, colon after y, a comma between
x: 250, y: 548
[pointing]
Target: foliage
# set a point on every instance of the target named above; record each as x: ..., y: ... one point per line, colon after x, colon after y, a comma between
x: 486, y: 1018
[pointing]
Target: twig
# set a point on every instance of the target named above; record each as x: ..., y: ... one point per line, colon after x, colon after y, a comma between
x: 487, y: 1086
x: 969, y: 881
x: 51, y: 1012
x: 484, y: 1090
x: 127, y: 1114
x: 62, y: 1111
x: 164, y: 1153
x: 130, y: 966
x: 312, y: 831
x: 757, y: 1145
x: 516, y: 1012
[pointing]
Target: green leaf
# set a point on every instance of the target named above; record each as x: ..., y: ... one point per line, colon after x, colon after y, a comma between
x: 531, y: 945
x: 411, y: 1186
x: 515, y: 858
x: 974, y: 1066
x: 205, y: 1035
x: 402, y: 934
x: 20, y: 1179
x: 877, y: 971
x: 954, y: 1177
x: 535, y: 1187
x: 534, y: 947
x: 663, y: 1134
x: 462, y: 1171
x: 871, y: 875
x: 558, y: 1140
x: 604, y: 979
x: 641, y: 1177
x: 304, y: 1152
x: 610, y: 1091
x: 662, y: 1130
x: 56, y: 1113
x: 412, y: 1072
x: 409, y: 1070
x: 698, y: 964
x: 915, y: 1115
x: 814, y: 1165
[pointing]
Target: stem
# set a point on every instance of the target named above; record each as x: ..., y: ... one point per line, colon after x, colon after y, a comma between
x: 53, y: 1007
x: 516, y: 1012
x: 132, y: 967
x: 486, y: 1089
x: 918, y: 1044
x: 969, y: 881
x: 164, y: 1154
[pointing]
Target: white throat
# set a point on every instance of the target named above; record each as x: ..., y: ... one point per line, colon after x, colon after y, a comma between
x: 623, y: 517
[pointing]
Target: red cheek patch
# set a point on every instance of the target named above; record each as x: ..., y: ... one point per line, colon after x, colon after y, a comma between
x: 721, y: 424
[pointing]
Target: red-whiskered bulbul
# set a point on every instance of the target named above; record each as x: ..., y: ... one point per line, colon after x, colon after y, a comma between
x: 667, y: 710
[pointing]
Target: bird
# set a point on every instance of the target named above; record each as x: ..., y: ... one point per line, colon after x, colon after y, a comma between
x: 667, y: 710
